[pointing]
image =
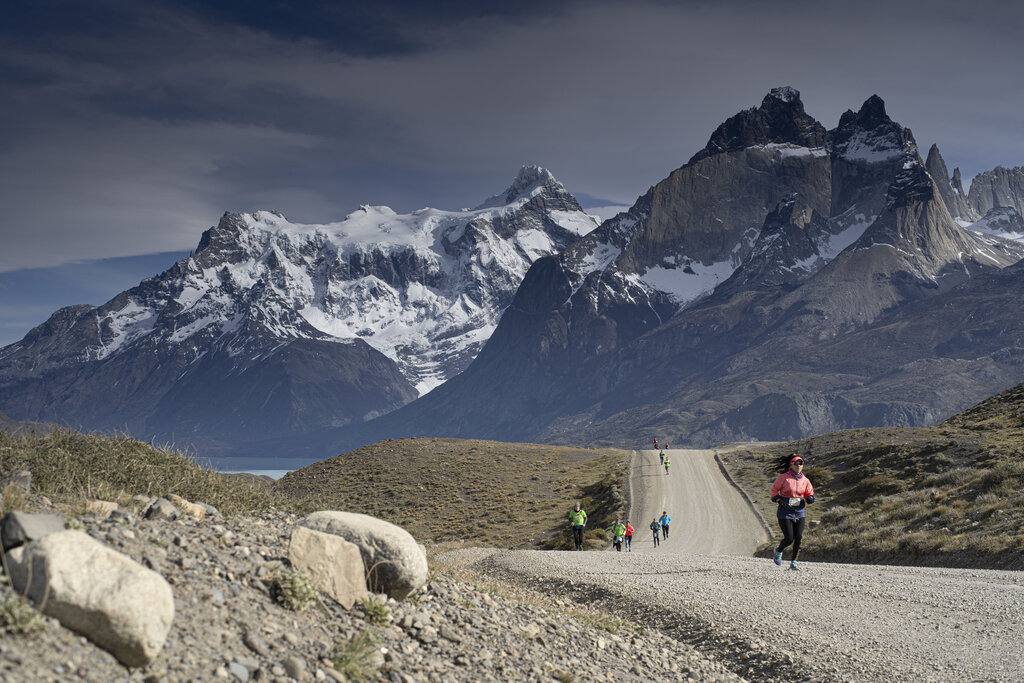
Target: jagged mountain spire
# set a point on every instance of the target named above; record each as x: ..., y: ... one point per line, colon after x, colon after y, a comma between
x: 780, y: 119
x: 951, y: 190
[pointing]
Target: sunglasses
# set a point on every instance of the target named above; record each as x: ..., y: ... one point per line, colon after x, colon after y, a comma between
x: 797, y: 462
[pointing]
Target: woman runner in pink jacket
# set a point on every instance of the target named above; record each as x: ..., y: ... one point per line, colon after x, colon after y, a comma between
x: 793, y: 492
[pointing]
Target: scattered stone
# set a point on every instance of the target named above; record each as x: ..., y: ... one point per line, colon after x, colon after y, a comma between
x: 395, y: 563
x: 98, y: 592
x: 161, y: 508
x: 211, y: 511
x: 294, y: 667
x: 256, y: 643
x: 190, y: 509
x: 100, y: 508
x: 18, y: 528
x: 238, y: 671
x: 334, y: 564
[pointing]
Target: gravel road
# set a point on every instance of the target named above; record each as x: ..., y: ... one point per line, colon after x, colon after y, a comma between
x: 710, y: 516
x: 766, y: 623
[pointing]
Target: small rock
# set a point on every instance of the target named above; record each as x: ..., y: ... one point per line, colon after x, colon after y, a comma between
x: 294, y: 667
x: 254, y: 642
x: 238, y: 671
x: 161, y: 508
x: 18, y: 528
x: 21, y: 479
x: 100, y: 508
x: 449, y: 633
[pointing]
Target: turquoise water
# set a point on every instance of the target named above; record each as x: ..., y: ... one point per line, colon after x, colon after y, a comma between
x: 274, y: 474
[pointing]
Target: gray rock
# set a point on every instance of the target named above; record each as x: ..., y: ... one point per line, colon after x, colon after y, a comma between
x: 210, y: 510
x: 238, y: 671
x: 394, y: 562
x: 256, y: 643
x: 104, y: 595
x: 294, y: 667
x: 161, y: 508
x: 334, y: 564
x: 21, y: 478
x: 18, y: 528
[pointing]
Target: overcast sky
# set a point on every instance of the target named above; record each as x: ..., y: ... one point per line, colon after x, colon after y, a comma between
x: 127, y: 128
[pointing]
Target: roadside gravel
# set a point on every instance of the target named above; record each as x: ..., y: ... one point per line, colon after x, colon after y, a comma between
x: 826, y: 622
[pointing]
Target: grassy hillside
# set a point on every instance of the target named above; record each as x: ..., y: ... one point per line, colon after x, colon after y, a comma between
x: 479, y: 492
x: 70, y: 468
x: 950, y: 495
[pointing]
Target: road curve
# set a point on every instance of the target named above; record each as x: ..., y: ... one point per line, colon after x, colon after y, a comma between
x: 709, y: 515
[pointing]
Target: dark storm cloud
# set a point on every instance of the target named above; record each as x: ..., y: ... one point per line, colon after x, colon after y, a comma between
x: 130, y: 127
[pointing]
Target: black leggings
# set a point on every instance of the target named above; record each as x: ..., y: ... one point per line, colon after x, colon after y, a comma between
x: 577, y: 537
x: 792, y: 533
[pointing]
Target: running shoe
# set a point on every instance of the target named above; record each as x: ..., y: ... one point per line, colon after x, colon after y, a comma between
x: 794, y: 565
x: 778, y: 557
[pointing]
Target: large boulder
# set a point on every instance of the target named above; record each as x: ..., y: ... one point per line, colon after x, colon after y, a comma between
x: 395, y: 564
x: 104, y: 595
x: 18, y: 528
x: 334, y: 564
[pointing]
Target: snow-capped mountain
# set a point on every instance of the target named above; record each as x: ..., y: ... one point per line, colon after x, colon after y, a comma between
x: 705, y: 311
x: 426, y: 289
x: 272, y: 327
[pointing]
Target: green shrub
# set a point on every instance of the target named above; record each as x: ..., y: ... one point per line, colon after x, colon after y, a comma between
x: 358, y: 657
x: 293, y: 589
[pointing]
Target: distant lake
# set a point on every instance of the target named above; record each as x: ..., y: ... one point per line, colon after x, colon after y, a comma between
x: 273, y: 474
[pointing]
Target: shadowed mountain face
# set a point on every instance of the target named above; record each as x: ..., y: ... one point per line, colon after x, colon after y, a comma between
x: 751, y: 294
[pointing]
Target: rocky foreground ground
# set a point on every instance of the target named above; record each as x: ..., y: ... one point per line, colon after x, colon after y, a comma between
x: 228, y: 624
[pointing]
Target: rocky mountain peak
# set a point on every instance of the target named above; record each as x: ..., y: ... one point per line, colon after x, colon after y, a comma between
x: 780, y: 119
x: 870, y: 136
x: 935, y: 164
x: 997, y: 188
x: 531, y: 181
x: 952, y: 191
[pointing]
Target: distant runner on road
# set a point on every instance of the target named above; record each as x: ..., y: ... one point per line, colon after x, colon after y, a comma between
x: 618, y: 533
x: 663, y: 457
x: 793, y: 492
x: 664, y: 520
x: 578, y: 521
x: 629, y: 536
x: 667, y: 463
x: 656, y: 528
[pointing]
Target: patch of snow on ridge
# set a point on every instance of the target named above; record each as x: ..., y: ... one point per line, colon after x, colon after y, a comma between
x: 836, y: 243
x: 788, y: 149
x: 870, y: 148
x: 599, y: 259
x: 686, y: 286
x: 125, y: 326
x: 574, y: 222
